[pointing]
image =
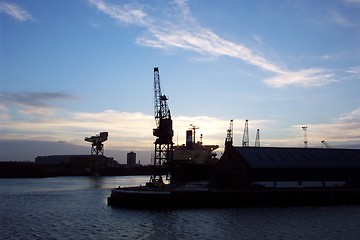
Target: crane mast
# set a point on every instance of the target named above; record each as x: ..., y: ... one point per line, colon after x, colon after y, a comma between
x: 163, y: 133
x: 305, y: 136
x: 245, y: 141
x: 229, y: 135
x: 257, y: 138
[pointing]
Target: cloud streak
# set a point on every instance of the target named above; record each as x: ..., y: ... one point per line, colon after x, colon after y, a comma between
x: 340, y: 19
x: 312, y: 77
x: 31, y: 103
x: 15, y: 11
x: 33, y: 99
x: 178, y: 29
x: 133, y: 130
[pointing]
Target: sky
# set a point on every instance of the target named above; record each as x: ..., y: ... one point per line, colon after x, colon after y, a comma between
x: 71, y: 69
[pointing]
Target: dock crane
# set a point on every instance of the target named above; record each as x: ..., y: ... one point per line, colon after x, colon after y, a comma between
x: 163, y: 132
x: 245, y: 141
x: 97, y: 146
x: 305, y: 136
x: 229, y: 135
x: 257, y: 138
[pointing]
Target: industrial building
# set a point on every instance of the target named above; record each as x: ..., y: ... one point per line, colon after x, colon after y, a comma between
x: 293, y: 167
x: 90, y: 162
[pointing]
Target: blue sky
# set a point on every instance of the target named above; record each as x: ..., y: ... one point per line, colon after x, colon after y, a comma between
x: 70, y: 69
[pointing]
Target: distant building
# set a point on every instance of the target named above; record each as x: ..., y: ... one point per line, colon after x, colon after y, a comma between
x: 131, y: 159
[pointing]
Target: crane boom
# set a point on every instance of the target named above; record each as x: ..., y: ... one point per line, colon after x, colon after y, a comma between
x: 326, y: 144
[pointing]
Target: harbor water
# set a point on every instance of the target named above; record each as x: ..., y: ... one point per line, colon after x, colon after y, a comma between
x: 76, y: 208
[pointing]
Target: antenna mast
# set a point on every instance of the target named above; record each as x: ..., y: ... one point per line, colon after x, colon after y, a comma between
x: 193, y: 127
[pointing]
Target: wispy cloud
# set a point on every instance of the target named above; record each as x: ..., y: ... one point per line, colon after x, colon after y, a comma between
x: 35, y: 99
x: 352, y: 116
x: 178, y: 29
x: 15, y: 11
x: 312, y: 77
x: 123, y: 14
x: 353, y: 1
x: 354, y: 72
x: 340, y: 19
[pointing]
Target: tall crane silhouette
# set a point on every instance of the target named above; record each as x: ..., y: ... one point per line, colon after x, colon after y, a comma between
x: 245, y: 141
x: 305, y: 136
x: 163, y: 132
x: 257, y: 138
x: 229, y: 135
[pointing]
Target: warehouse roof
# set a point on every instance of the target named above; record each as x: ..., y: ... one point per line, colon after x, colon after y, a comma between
x: 274, y: 157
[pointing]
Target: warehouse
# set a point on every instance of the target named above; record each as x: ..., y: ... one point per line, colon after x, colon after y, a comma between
x: 288, y: 167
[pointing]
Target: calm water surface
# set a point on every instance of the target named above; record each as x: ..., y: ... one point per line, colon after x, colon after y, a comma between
x: 75, y: 208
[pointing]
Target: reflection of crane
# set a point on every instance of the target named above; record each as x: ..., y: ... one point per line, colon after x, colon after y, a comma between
x: 326, y: 144
x: 245, y: 142
x: 97, y: 146
x: 257, y: 139
x: 229, y: 135
x: 163, y: 132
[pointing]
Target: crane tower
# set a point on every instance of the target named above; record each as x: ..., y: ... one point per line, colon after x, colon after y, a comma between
x: 97, y: 146
x: 229, y: 135
x: 305, y: 136
x: 245, y: 142
x: 257, y: 138
x: 163, y: 133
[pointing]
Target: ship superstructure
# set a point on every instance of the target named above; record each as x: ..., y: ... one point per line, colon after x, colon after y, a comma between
x: 194, y: 152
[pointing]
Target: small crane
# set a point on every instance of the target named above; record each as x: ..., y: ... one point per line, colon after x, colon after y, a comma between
x: 97, y: 146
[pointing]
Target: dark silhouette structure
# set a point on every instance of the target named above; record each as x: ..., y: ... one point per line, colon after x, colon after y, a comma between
x: 163, y: 133
x: 245, y: 166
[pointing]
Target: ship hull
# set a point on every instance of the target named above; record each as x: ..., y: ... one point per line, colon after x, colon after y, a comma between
x: 143, y: 197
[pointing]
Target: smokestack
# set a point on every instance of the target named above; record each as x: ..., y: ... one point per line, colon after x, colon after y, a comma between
x: 189, y: 139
